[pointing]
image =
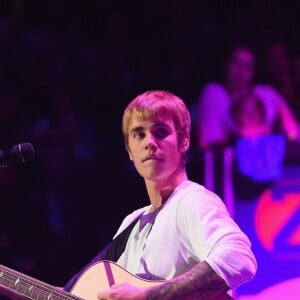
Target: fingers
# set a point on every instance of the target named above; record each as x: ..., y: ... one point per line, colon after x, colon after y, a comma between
x: 103, y: 295
x: 107, y: 294
x: 120, y: 291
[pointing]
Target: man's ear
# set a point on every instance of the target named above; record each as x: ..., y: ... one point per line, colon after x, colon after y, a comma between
x: 130, y: 157
x: 185, y: 144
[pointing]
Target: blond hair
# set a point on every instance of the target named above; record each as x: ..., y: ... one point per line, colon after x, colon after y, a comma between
x: 158, y: 103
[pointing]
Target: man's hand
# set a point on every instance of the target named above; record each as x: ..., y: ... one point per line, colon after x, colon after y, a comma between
x: 123, y: 291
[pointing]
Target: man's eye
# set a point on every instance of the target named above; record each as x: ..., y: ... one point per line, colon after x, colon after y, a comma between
x: 161, y: 133
x: 139, y: 135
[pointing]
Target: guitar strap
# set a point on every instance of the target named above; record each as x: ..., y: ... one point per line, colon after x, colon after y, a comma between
x: 111, y: 252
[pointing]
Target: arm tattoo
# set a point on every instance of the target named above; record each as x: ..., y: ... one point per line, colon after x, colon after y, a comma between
x: 201, y: 281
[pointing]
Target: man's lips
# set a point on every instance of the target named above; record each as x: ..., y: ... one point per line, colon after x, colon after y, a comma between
x: 151, y: 157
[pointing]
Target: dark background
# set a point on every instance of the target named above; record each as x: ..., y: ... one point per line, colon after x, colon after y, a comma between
x: 67, y: 71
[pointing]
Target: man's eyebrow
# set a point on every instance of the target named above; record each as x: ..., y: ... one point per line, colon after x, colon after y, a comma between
x: 161, y: 124
x: 137, y: 128
x: 156, y: 124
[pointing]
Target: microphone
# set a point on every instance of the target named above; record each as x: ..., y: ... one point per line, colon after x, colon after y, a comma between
x: 20, y: 153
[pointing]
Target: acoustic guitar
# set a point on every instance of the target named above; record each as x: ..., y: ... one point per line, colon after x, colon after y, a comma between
x: 98, y: 276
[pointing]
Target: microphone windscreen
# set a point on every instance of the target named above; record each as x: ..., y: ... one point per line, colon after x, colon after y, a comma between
x: 23, y: 152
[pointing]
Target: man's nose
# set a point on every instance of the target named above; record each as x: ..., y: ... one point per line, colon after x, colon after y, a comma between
x: 150, y: 141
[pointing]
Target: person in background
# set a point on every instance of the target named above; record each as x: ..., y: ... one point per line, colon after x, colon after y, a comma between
x: 295, y: 71
x: 249, y: 114
x: 278, y: 69
x: 185, y: 235
x: 216, y: 125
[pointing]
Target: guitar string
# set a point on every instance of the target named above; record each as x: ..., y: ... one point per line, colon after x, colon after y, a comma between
x: 27, y: 282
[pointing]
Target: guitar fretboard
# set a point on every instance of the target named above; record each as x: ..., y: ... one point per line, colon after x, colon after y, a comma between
x: 30, y: 287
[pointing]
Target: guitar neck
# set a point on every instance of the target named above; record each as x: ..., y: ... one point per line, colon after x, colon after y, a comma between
x: 30, y: 287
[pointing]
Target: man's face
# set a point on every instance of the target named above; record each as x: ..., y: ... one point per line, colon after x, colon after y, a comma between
x: 154, y: 149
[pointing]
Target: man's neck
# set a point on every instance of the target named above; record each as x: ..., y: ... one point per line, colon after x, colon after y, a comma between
x: 159, y: 192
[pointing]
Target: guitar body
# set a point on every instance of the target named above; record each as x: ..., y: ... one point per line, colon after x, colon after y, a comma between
x: 99, y: 276
x: 102, y: 275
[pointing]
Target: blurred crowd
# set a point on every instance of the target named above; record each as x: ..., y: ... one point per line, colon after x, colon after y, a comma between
x: 65, y: 78
x: 237, y: 106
